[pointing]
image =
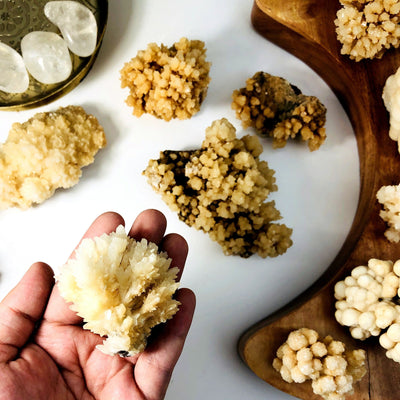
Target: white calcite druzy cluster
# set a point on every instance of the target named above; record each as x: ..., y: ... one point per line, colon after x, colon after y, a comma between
x: 46, y: 55
x: 122, y: 288
x: 45, y: 153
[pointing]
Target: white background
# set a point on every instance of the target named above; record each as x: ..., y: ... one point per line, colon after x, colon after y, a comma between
x: 317, y: 194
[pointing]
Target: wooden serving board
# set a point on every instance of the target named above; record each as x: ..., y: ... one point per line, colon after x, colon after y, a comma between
x: 306, y: 29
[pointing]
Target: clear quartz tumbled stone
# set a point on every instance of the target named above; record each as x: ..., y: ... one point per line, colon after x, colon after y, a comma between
x: 76, y: 23
x: 46, y: 57
x: 14, y: 77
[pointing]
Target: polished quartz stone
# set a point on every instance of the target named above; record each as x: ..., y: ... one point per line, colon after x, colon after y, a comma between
x: 77, y: 25
x: 14, y: 77
x: 46, y: 57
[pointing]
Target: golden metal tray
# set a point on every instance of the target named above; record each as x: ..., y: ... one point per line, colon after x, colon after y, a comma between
x: 19, y: 17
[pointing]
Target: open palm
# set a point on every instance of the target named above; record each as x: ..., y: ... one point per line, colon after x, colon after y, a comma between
x: 46, y: 354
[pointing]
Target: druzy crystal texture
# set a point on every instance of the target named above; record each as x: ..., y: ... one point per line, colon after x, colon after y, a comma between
x: 13, y: 78
x: 46, y: 57
x: 76, y: 23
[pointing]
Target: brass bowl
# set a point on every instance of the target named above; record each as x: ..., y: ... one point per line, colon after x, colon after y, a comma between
x: 19, y: 17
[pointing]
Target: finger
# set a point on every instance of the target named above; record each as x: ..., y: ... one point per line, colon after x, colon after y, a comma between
x: 22, y: 308
x: 150, y: 225
x: 58, y: 309
x: 155, y: 365
x: 177, y: 249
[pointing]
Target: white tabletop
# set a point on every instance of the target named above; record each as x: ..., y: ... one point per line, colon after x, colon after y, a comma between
x: 317, y: 195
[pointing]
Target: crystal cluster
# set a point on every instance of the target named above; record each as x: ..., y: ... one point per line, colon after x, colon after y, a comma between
x: 45, y: 153
x: 331, y: 368
x: 368, y: 28
x: 122, y: 288
x: 368, y: 303
x: 46, y: 54
x: 391, y: 99
x: 222, y: 189
x: 276, y: 108
x: 167, y: 82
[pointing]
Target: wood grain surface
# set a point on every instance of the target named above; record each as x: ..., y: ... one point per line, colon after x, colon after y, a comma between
x: 306, y: 29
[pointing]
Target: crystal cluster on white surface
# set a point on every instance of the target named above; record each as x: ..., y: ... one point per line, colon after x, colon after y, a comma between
x: 13, y: 78
x: 77, y: 25
x: 45, y: 55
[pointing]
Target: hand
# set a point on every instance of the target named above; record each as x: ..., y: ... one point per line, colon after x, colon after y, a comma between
x: 45, y: 353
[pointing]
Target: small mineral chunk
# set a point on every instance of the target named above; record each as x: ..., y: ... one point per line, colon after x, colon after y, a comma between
x: 390, y: 341
x: 122, y: 288
x: 45, y: 153
x: 167, y: 82
x: 367, y: 28
x: 46, y: 57
x: 391, y: 99
x: 389, y: 198
x: 366, y: 299
x: 14, y: 77
x: 368, y: 303
x: 331, y: 368
x: 276, y: 108
x: 221, y: 189
x: 76, y: 23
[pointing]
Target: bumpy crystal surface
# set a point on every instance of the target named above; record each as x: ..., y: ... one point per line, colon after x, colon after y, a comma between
x: 46, y: 56
x: 76, y: 23
x: 14, y: 77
